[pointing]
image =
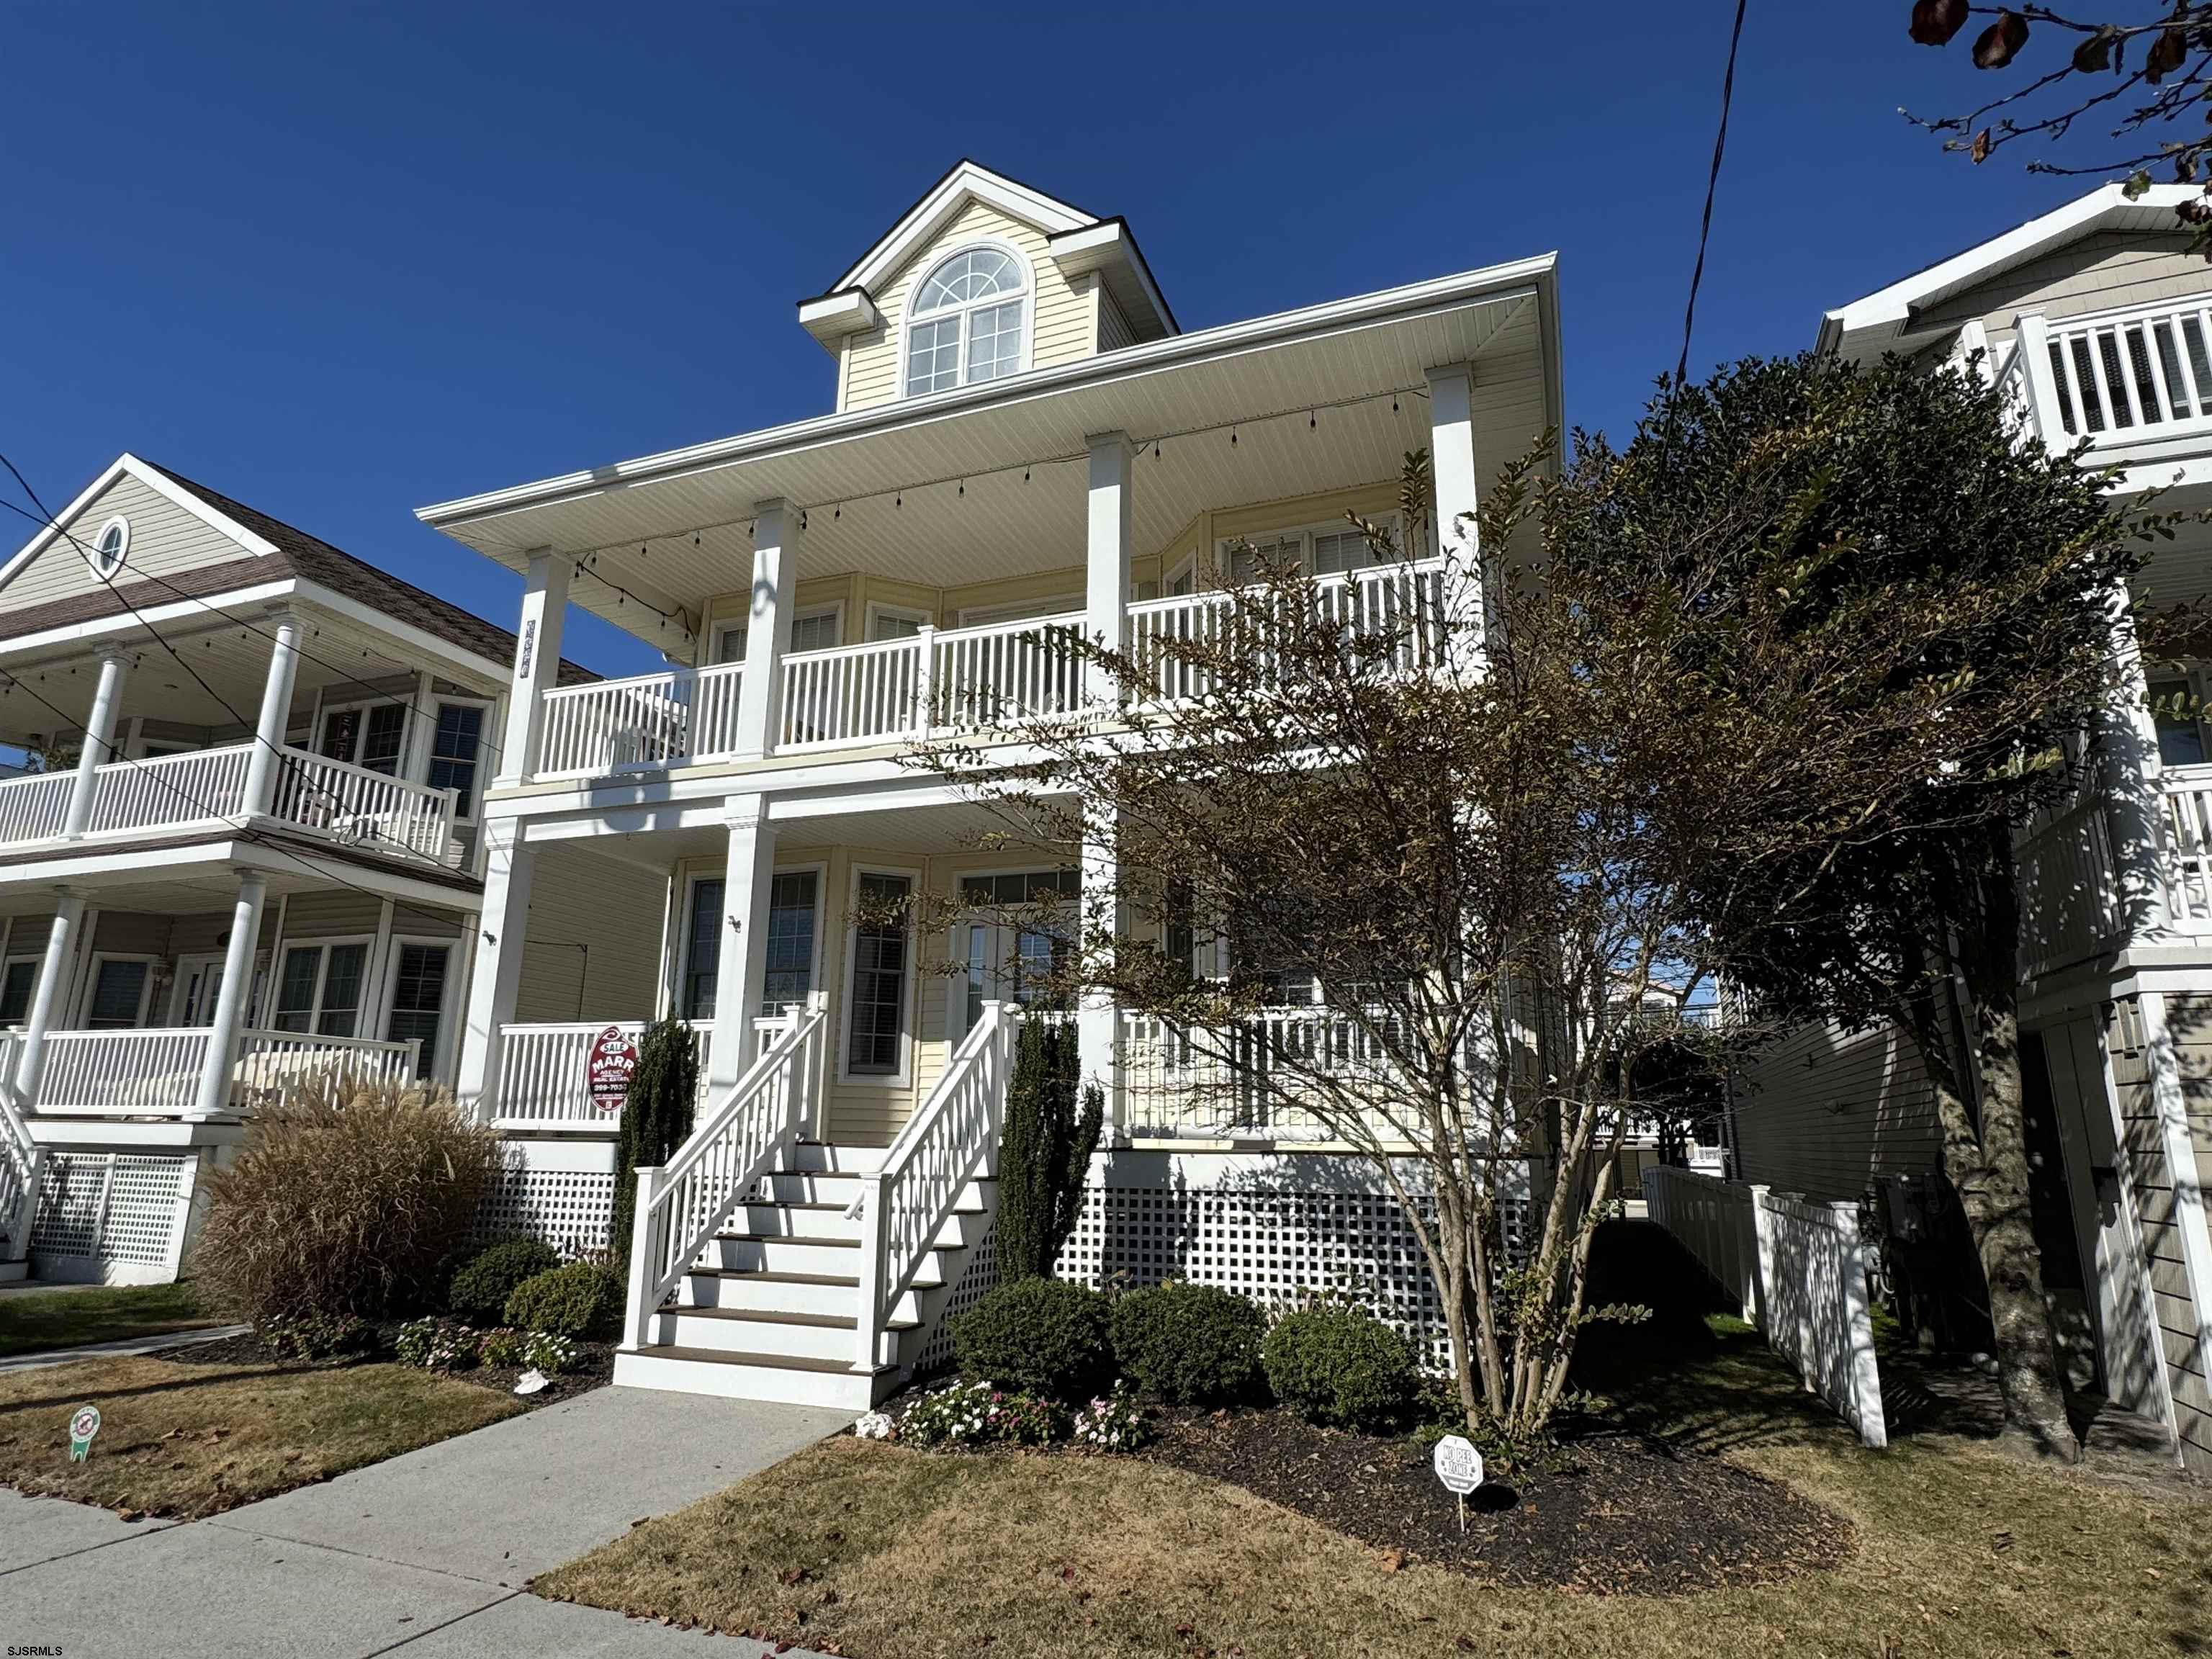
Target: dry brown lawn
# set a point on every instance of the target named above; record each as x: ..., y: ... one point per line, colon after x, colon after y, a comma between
x: 184, y: 1439
x: 891, y: 1553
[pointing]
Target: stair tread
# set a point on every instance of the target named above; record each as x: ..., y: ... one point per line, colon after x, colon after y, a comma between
x: 787, y: 1238
x: 769, y: 1278
x: 781, y: 1362
x: 770, y: 1316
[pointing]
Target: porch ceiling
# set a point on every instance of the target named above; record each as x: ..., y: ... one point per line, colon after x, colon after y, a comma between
x: 990, y: 482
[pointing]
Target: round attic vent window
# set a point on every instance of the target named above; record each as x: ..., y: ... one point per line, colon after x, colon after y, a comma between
x: 109, y: 545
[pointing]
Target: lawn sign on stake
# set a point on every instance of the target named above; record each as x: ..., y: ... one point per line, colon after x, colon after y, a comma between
x: 1459, y: 1466
x: 83, y: 1425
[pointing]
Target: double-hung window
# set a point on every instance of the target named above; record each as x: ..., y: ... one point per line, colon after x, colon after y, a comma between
x: 367, y: 734
x: 456, y: 748
x: 418, y: 999
x: 810, y: 631
x: 966, y: 322
x: 119, y: 988
x: 1327, y: 549
x: 790, y: 976
x: 875, y: 1042
x: 18, y: 981
x: 318, y: 988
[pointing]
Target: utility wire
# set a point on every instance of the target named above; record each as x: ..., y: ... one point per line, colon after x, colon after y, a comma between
x: 1712, y: 184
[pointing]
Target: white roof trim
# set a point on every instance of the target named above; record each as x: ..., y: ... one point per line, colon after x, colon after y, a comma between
x: 832, y: 316
x: 965, y: 182
x: 155, y: 480
x: 1108, y: 244
x: 1891, y: 308
x: 1175, y: 351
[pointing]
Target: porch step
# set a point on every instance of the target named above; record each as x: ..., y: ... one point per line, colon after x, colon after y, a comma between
x: 12, y: 1272
x: 773, y: 1377
x: 813, y: 1336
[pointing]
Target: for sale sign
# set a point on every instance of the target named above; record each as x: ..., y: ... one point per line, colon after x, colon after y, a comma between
x: 608, y: 1066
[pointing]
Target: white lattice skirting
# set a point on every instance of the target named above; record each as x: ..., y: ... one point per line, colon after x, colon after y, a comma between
x: 116, y: 1215
x: 551, y: 1193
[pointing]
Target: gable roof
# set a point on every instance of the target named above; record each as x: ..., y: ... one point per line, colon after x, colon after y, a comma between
x: 1884, y: 319
x: 1076, y: 240
x: 274, y: 551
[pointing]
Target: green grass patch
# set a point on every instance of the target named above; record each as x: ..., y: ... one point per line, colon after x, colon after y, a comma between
x: 33, y: 1321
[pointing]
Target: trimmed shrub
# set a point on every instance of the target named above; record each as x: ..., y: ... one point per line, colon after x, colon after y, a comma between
x: 1052, y: 1129
x: 656, y: 1115
x: 581, y: 1299
x: 341, y: 1206
x: 489, y: 1276
x: 1338, y: 1366
x: 1190, y: 1344
x: 1037, y: 1335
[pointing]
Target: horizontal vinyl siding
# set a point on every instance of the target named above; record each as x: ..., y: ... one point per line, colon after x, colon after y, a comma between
x: 594, y: 939
x: 2143, y: 1158
x: 331, y: 915
x: 164, y: 539
x: 1825, y: 1112
x: 121, y: 932
x: 1113, y: 327
x: 1060, y: 320
x: 2104, y: 272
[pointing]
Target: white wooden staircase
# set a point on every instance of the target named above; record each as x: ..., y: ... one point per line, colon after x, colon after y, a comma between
x: 766, y: 1265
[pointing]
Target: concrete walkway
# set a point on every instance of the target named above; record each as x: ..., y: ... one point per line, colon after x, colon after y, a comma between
x: 426, y: 1553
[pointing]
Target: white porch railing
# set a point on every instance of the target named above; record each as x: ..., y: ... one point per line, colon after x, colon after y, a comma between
x: 20, y: 1160
x: 542, y: 1083
x: 1006, y: 673
x: 188, y: 788
x: 33, y: 808
x: 156, y: 1072
x: 361, y: 806
x: 951, y: 1140
x: 648, y: 720
x: 683, y: 1203
x: 2188, y: 800
x: 2139, y: 374
x: 1406, y: 597
x: 1242, y: 1083
x: 960, y: 680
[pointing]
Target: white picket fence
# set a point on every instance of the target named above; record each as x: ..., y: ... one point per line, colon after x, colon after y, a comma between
x: 1799, y: 1271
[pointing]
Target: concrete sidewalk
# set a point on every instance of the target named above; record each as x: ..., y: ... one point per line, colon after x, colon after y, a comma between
x: 426, y: 1553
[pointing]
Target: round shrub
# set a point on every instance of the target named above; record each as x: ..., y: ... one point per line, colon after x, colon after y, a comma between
x: 488, y: 1277
x: 582, y: 1300
x: 341, y: 1206
x: 1338, y: 1366
x: 1189, y: 1343
x: 1040, y: 1335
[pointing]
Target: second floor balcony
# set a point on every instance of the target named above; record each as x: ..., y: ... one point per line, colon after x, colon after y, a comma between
x: 2136, y: 381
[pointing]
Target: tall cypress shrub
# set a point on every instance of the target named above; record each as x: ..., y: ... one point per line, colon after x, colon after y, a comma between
x: 656, y: 1117
x: 1052, y: 1129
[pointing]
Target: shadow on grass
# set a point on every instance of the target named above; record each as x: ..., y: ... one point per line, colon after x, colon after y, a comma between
x: 206, y: 1380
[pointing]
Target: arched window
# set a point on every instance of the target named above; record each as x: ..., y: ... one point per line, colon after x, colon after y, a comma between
x: 109, y: 547
x: 965, y: 322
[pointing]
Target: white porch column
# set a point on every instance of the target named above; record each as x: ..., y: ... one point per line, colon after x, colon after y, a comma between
x: 1106, y: 584
x: 99, y: 735
x: 2127, y: 770
x: 537, y: 663
x: 767, y: 627
x: 497, y: 975
x: 1452, y: 468
x: 271, y: 729
x: 742, y: 978
x: 232, y: 997
x: 53, y: 977
x: 2043, y: 405
x: 1098, y: 1018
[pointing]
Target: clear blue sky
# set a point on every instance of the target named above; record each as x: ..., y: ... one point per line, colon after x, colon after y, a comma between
x: 340, y: 265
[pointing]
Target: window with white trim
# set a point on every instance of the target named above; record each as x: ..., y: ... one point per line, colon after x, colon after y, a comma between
x: 456, y: 749
x: 790, y: 976
x: 18, y: 982
x: 320, y: 987
x: 120, y: 986
x: 875, y: 1036
x: 366, y: 734
x: 110, y: 547
x: 1320, y: 549
x: 965, y: 322
x: 887, y: 621
x: 818, y: 629
x: 418, y: 998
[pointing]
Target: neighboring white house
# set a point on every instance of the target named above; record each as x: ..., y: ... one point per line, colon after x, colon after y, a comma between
x: 2100, y: 321
x: 258, y: 848
x: 1024, y: 443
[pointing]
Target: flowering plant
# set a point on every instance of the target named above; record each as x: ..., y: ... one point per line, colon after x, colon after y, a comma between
x: 975, y: 1414
x: 436, y: 1345
x: 543, y: 1351
x: 503, y: 1347
x: 1114, y: 1422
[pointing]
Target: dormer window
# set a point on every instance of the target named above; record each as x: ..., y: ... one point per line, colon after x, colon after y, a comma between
x: 966, y: 323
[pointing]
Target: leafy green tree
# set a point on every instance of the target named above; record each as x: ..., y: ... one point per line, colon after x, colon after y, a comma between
x: 657, y: 1113
x: 1044, y: 1159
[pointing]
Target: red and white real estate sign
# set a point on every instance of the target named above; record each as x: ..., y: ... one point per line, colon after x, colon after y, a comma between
x: 608, y: 1066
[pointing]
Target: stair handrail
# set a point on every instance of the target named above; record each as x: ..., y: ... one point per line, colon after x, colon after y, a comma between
x: 952, y: 1139
x: 683, y: 1203
x: 21, y: 1159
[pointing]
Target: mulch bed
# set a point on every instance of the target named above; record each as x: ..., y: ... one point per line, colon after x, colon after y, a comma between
x: 596, y: 1370
x: 1617, y: 1515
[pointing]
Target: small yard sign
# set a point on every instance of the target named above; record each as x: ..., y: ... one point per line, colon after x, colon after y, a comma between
x: 1459, y: 1466
x: 82, y: 1426
x: 608, y: 1066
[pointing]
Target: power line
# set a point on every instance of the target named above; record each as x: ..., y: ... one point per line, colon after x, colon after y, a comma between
x: 1712, y: 184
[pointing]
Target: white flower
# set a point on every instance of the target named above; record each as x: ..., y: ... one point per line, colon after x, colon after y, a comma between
x: 874, y: 1425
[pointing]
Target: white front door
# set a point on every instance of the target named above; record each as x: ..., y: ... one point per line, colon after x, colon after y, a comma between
x: 199, y: 982
x: 1000, y: 964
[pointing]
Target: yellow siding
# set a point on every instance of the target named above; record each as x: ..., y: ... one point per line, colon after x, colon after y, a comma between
x: 1061, y: 324
x: 164, y: 539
